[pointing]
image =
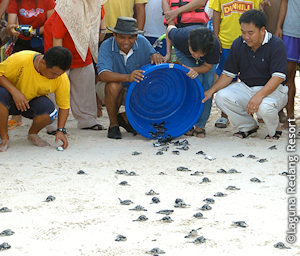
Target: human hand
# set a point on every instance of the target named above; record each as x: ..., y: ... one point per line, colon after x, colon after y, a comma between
x: 10, y: 29
x: 60, y: 136
x: 192, y: 73
x: 20, y: 100
x: 156, y: 58
x: 263, y: 4
x: 170, y: 16
x: 278, y: 32
x: 136, y: 76
x: 253, y: 104
x: 207, y: 95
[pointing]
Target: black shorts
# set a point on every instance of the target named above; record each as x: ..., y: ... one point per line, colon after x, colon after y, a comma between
x: 38, y: 106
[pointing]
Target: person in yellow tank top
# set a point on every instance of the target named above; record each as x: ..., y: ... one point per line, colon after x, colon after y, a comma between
x: 226, y: 14
x: 26, y: 78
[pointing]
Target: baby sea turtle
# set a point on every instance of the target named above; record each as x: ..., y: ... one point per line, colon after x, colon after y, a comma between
x: 197, y: 173
x: 239, y: 155
x: 176, y: 152
x: 155, y: 200
x: 255, y: 180
x: 125, y: 202
x: 252, y: 157
x: 184, y: 148
x: 141, y: 218
x: 209, y: 200
x: 232, y: 170
x: 166, y: 212
x: 219, y: 194
x: 164, y: 148
x: 50, y: 198
x: 241, y: 224
x: 159, y: 153
x: 151, y: 193
x: 283, y: 173
x: 166, y: 219
x: 192, y: 233
x: 7, y: 232
x: 199, y: 240
x: 232, y: 188
x: 5, y: 209
x: 183, y: 169
x: 198, y: 215
x: 155, y: 251
x: 181, y: 205
x: 178, y: 200
x: 200, y: 153
x: 4, y: 246
x: 210, y: 158
x: 135, y: 153
x: 281, y: 245
x: 274, y: 147
x: 157, y: 144
x: 138, y: 208
x: 80, y: 172
x: 162, y: 173
x: 205, y: 207
x: 263, y: 160
x: 121, y: 238
x: 221, y: 171
x: 121, y: 172
x: 124, y: 183
x: 205, y: 180
x: 131, y: 174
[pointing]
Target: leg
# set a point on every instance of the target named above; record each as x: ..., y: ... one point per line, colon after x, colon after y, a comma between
x: 113, y: 101
x: 233, y: 100
x: 39, y: 122
x: 3, y: 128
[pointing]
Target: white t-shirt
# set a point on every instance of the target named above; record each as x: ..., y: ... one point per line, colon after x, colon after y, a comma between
x: 154, y: 25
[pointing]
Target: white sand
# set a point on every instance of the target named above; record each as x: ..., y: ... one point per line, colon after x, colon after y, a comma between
x: 86, y: 216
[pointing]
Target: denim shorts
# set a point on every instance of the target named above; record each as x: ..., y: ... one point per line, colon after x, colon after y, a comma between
x: 292, y: 45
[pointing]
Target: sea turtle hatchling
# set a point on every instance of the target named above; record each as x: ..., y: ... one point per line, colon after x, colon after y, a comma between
x: 176, y: 152
x: 155, y: 200
x: 209, y: 200
x: 185, y: 147
x: 241, y: 224
x: 151, y: 193
x: 164, y: 148
x: 255, y: 180
x: 166, y: 219
x: 159, y: 153
x: 4, y: 246
x: 125, y: 202
x: 166, y: 212
x: 155, y: 250
x: 141, y: 218
x: 199, y: 240
x: 283, y: 173
x: 232, y: 188
x: 162, y: 173
x: 274, y: 147
x: 239, y: 155
x: 192, y: 233
x: 121, y: 171
x: 232, y: 171
x: 50, y: 198
x: 252, y: 157
x: 138, y: 208
x: 121, y: 238
x: 197, y: 173
x: 200, y: 153
x: 221, y: 171
x: 181, y: 205
x: 183, y: 169
x: 219, y: 194
x: 124, y: 183
x: 198, y: 215
x: 7, y: 232
x: 131, y: 174
x: 263, y: 160
x: 206, y: 207
x: 135, y: 153
x: 281, y: 245
x: 5, y: 209
x: 205, y: 180
x: 80, y: 172
x: 210, y: 158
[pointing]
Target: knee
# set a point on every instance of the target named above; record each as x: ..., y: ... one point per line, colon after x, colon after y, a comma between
x: 267, y: 109
x: 113, y: 89
x: 221, y: 97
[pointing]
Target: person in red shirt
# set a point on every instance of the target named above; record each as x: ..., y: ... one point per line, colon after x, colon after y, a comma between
x: 71, y: 32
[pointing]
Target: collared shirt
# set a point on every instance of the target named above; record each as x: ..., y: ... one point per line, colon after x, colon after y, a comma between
x: 110, y: 58
x: 257, y: 68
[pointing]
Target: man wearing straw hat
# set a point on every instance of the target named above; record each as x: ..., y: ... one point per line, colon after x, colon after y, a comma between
x: 119, y: 62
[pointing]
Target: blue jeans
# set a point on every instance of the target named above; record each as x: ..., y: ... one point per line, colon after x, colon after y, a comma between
x: 206, y: 79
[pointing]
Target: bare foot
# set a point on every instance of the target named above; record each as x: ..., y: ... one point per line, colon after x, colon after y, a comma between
x: 3, y: 145
x: 37, y: 140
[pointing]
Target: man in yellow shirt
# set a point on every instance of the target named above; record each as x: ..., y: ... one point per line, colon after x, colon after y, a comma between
x: 26, y: 78
x: 226, y: 14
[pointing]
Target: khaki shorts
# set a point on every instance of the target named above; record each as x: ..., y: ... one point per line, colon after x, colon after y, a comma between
x: 100, y: 90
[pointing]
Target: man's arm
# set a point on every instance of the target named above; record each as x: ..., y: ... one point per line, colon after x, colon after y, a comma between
x: 140, y: 15
x: 195, y: 4
x: 281, y: 17
x: 168, y: 43
x: 109, y: 76
x: 61, y: 122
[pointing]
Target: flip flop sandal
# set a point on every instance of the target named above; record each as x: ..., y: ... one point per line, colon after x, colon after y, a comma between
x: 275, y: 137
x: 199, y: 134
x: 222, y: 122
x: 12, y: 124
x: 244, y: 135
x: 96, y: 127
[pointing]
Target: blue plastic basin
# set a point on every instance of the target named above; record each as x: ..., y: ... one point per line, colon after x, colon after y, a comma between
x: 166, y: 95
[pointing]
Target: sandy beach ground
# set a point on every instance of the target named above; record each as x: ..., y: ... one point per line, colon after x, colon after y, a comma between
x: 86, y: 216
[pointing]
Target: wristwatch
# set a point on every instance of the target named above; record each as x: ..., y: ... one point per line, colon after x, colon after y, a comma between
x: 62, y: 130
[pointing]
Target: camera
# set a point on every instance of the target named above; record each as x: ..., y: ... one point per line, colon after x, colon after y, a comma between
x: 25, y: 30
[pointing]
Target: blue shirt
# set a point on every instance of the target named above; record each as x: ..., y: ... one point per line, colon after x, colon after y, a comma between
x: 256, y: 68
x: 110, y: 58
